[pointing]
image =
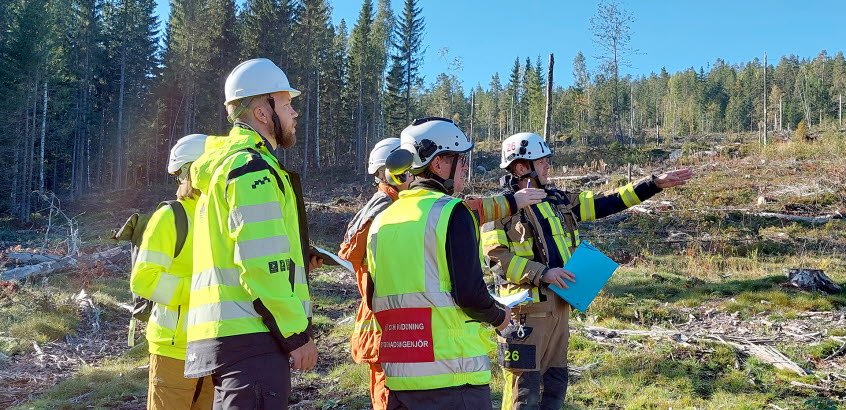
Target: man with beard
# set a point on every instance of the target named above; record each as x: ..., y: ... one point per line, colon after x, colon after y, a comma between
x: 249, y: 300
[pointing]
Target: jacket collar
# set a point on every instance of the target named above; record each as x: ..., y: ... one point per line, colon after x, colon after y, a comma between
x: 428, y: 184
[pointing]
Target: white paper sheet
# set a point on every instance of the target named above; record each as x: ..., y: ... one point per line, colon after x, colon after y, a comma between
x: 337, y: 260
x: 514, y: 299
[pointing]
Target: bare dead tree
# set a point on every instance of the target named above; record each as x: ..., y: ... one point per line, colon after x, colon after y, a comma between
x: 612, y: 33
x: 73, y: 242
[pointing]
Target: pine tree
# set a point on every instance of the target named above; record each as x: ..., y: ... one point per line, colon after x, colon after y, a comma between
x: 131, y: 62
x: 395, y: 107
x: 224, y: 55
x: 495, y: 112
x: 24, y: 57
x: 611, y: 27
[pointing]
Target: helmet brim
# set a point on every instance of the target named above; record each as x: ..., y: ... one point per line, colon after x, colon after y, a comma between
x: 458, y: 152
x: 503, y: 165
x: 292, y: 91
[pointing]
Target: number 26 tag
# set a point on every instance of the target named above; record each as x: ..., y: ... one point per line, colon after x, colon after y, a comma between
x: 517, y: 356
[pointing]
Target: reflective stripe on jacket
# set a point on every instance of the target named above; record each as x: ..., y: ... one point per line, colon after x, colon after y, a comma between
x: 250, y: 268
x: 427, y: 341
x: 165, y: 280
x: 364, y: 341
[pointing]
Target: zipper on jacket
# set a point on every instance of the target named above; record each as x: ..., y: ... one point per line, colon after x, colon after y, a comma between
x: 178, y: 315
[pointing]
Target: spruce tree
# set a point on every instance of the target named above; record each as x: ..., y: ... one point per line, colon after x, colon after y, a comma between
x: 362, y: 79
x: 408, y: 45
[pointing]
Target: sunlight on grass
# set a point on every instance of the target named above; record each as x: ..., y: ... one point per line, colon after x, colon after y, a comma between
x: 105, y: 386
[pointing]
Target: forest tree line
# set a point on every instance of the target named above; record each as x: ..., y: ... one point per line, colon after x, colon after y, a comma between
x: 96, y: 91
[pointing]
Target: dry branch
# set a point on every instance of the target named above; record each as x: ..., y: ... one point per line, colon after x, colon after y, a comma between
x: 576, y: 372
x: 650, y: 207
x: 793, y: 218
x: 839, y: 352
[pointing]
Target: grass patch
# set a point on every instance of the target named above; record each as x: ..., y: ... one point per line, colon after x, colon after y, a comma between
x: 41, y: 314
x: 108, y: 385
x: 353, y: 384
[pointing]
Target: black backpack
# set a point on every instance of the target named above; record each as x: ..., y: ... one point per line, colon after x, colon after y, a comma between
x: 133, y: 231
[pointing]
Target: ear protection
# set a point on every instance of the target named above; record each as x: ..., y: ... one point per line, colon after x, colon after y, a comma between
x: 397, y: 165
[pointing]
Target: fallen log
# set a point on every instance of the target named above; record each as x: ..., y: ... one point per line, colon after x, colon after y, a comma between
x: 772, y: 356
x: 829, y: 390
x: 113, y: 255
x: 26, y: 258
x: 44, y: 268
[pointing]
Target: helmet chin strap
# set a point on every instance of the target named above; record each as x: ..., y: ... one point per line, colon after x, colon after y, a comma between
x: 449, y: 183
x: 532, y: 174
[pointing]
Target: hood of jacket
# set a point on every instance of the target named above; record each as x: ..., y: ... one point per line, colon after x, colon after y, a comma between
x: 218, y: 148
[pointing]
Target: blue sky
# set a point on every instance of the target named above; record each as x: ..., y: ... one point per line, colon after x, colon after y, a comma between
x: 488, y: 35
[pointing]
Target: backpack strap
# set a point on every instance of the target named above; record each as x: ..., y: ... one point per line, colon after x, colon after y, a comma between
x: 181, y: 220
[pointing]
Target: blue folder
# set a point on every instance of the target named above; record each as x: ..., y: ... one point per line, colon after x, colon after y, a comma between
x: 592, y: 270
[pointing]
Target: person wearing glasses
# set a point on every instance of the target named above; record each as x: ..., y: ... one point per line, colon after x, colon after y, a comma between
x: 528, y: 251
x: 428, y: 293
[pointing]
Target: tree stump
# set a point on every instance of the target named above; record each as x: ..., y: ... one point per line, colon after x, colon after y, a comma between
x: 811, y: 280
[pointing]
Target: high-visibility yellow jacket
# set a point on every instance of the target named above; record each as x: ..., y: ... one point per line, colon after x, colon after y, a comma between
x: 249, y: 264
x: 427, y: 341
x: 364, y: 341
x: 166, y: 280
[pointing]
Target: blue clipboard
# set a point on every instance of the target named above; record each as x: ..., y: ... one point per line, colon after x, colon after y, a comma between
x: 592, y: 270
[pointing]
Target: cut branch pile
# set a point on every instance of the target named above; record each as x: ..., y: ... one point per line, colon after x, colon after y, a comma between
x: 650, y: 207
x: 762, y: 352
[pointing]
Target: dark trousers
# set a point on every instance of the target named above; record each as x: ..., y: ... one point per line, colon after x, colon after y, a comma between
x: 258, y: 382
x: 467, y: 397
x: 529, y: 396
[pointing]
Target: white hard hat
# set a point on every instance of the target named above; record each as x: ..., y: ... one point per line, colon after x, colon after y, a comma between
x: 524, y: 145
x: 256, y: 77
x: 425, y: 138
x: 380, y: 153
x: 186, y: 150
